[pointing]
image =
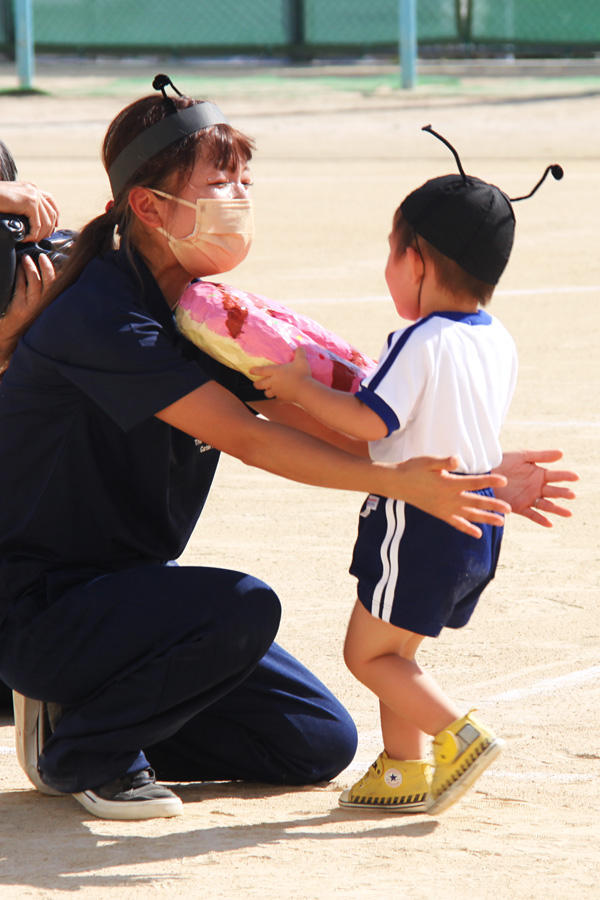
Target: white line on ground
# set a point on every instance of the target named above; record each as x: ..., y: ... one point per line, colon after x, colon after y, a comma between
x: 509, y: 292
x: 360, y: 766
x: 556, y: 777
x: 565, y: 289
x: 547, y: 685
x: 370, y: 741
x: 531, y: 423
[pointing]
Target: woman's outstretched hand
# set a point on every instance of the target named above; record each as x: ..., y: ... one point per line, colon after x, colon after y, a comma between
x: 434, y: 489
x: 531, y: 489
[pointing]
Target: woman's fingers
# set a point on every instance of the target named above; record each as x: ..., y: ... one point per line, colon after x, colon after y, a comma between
x: 553, y: 475
x: 46, y: 270
x: 26, y: 199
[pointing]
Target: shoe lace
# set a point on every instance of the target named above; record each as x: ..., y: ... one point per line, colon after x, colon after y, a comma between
x: 374, y: 769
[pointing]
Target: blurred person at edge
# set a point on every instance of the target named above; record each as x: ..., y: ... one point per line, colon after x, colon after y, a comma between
x: 23, y: 199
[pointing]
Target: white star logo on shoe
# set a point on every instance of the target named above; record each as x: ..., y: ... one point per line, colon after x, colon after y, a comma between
x: 393, y: 778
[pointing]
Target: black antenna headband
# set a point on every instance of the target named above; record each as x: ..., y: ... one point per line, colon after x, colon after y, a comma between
x: 468, y: 220
x: 557, y: 171
x: 172, y: 128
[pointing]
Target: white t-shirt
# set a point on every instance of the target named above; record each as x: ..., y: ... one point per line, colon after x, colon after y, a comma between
x: 443, y: 387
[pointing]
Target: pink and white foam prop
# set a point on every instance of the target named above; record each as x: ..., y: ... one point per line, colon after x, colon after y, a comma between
x: 245, y: 330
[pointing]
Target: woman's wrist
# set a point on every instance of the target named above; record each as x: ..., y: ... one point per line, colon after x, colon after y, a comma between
x: 7, y: 346
x: 8, y: 343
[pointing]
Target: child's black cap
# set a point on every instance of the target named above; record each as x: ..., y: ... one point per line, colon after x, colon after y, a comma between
x: 467, y: 219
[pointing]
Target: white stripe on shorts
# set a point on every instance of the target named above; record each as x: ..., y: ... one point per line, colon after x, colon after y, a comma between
x: 383, y: 595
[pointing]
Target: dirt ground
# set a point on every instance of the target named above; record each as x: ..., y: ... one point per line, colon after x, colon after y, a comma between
x: 331, y: 166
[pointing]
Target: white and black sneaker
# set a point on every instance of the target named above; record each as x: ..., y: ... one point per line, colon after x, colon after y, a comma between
x: 33, y: 727
x: 136, y: 796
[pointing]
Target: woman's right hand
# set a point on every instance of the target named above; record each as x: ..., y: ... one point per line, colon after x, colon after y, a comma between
x: 23, y: 198
x: 428, y: 483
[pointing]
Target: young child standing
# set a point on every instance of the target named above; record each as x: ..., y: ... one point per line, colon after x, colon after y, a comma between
x: 442, y: 386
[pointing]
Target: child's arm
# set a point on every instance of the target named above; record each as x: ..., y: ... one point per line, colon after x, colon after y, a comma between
x: 339, y: 410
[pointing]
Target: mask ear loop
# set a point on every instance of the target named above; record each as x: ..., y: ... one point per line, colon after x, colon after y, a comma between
x: 557, y: 173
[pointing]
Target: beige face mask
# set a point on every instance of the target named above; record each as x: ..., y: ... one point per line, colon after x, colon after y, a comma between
x: 221, y: 238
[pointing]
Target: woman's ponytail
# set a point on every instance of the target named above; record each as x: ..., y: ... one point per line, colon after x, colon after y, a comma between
x: 95, y: 239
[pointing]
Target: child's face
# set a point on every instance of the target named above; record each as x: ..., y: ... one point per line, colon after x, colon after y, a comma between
x: 400, y: 279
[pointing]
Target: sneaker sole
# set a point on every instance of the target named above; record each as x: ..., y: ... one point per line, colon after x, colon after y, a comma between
x: 31, y: 733
x: 462, y: 784
x: 129, y: 810
x: 419, y: 806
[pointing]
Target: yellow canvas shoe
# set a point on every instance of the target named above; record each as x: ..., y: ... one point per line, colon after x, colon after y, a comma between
x: 462, y: 753
x: 391, y: 785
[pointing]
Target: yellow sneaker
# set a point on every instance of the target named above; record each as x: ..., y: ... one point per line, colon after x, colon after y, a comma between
x: 462, y: 752
x: 392, y: 785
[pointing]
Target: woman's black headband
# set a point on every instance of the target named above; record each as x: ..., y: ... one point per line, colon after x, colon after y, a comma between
x: 175, y: 126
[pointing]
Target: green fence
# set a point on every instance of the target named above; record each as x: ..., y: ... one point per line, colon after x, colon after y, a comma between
x: 575, y: 22
x: 222, y: 24
x: 7, y: 36
x: 298, y: 28
x: 282, y: 27
x: 330, y: 23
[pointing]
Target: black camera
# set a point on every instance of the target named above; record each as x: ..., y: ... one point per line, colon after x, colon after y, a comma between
x: 12, y: 247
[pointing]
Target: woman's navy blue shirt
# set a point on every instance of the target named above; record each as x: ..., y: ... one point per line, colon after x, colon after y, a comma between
x: 90, y: 480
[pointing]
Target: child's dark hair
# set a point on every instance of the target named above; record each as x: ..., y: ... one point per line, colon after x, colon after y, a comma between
x: 449, y: 275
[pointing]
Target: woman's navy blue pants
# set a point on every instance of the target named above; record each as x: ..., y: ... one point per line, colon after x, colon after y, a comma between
x: 173, y: 667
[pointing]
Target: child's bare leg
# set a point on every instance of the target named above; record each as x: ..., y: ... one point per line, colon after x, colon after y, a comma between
x: 412, y: 706
x: 401, y: 739
x: 382, y: 657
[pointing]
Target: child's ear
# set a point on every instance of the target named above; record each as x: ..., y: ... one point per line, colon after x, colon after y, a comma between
x: 416, y: 267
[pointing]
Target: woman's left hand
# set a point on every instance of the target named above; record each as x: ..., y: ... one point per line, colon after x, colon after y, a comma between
x: 28, y: 300
x: 532, y: 489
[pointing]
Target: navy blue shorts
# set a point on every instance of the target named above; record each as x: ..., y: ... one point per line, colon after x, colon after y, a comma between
x: 417, y: 572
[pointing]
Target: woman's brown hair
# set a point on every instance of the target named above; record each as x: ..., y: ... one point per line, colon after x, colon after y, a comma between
x: 221, y: 145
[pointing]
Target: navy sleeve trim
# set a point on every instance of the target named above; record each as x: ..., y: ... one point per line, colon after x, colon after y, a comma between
x: 380, y: 407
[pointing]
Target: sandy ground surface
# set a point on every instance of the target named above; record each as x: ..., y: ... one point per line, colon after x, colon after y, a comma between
x: 331, y: 167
